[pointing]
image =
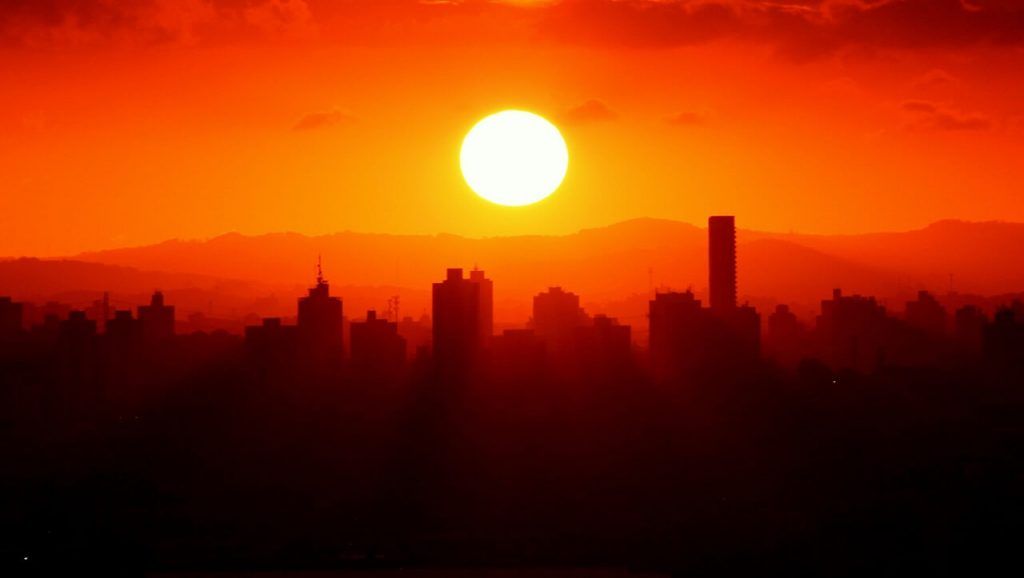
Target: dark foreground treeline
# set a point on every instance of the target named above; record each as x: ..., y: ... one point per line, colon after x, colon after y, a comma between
x: 198, y: 457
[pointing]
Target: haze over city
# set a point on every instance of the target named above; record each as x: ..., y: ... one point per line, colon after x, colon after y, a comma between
x: 452, y: 288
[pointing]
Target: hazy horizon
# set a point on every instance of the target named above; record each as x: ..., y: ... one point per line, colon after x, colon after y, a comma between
x: 127, y: 124
x: 567, y: 233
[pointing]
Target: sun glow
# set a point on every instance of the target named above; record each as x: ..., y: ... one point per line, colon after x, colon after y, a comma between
x: 514, y: 158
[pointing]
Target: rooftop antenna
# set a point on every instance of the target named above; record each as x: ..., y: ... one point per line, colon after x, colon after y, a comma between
x: 319, y: 270
x: 393, y: 308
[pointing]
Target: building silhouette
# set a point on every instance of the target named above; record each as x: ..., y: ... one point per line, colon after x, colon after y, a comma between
x: 680, y: 337
x: 853, y: 332
x: 486, y: 303
x: 417, y: 334
x: 1004, y: 337
x: 316, y: 341
x: 12, y: 317
x: 460, y: 312
x: 926, y: 314
x: 518, y: 356
x: 603, y: 348
x: 46, y: 330
x: 786, y: 338
x: 100, y: 312
x: 76, y: 331
x: 37, y: 315
x: 156, y: 319
x: 722, y: 262
x: 320, y: 325
x: 783, y: 326
x: 687, y: 337
x: 969, y: 329
x: 556, y: 315
x: 272, y: 345
x: 123, y: 328
x: 376, y: 344
x: 743, y: 330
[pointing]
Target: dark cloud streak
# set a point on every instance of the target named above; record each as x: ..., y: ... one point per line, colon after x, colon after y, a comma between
x: 800, y: 29
x: 322, y: 119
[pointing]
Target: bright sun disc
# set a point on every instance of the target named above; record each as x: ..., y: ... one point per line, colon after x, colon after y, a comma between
x: 514, y: 158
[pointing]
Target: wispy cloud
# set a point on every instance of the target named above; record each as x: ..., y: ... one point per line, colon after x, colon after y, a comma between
x: 926, y: 115
x: 589, y: 112
x: 323, y: 119
x: 800, y: 28
x: 687, y: 118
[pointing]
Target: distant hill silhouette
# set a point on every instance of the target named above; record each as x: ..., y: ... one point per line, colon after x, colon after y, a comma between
x: 984, y: 257
x: 27, y: 277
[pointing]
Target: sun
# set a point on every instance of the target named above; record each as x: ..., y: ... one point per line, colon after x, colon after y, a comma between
x: 514, y: 158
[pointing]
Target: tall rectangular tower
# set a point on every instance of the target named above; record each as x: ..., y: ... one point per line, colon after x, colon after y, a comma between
x: 458, y: 327
x: 722, y: 262
x: 486, y: 303
x: 156, y: 319
x: 320, y: 321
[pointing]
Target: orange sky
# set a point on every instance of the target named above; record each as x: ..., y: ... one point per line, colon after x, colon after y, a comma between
x: 124, y: 126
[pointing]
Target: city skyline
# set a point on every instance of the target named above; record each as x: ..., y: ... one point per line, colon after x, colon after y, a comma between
x: 854, y: 332
x: 229, y: 278
x: 503, y: 288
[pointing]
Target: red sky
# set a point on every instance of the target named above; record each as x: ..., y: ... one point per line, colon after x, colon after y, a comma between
x: 124, y: 123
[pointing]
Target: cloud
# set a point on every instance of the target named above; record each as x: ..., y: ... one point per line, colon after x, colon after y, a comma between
x: 323, y: 119
x: 801, y: 29
x: 930, y: 116
x: 287, y: 18
x: 935, y: 78
x: 686, y: 118
x: 919, y: 106
x: 591, y: 111
x: 71, y: 23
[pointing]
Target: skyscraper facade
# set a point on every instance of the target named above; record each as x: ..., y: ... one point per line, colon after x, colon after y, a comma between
x: 486, y: 303
x: 320, y: 322
x: 458, y: 312
x: 157, y: 318
x: 722, y: 262
x: 556, y: 315
x: 376, y: 344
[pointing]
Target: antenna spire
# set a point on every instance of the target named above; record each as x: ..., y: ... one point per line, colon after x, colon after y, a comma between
x: 319, y: 270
